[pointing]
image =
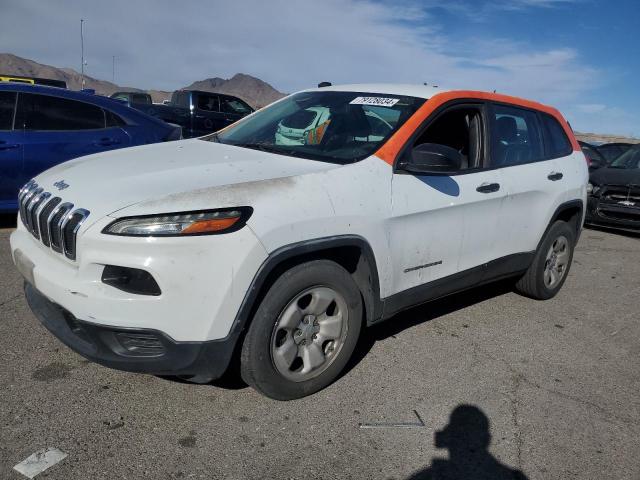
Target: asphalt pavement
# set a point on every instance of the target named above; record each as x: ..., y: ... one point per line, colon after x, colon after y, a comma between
x: 478, y: 385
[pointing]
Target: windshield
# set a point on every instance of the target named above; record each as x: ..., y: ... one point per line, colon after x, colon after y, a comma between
x: 340, y: 127
x: 628, y: 160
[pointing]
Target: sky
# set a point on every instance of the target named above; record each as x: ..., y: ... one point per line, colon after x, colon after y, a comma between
x: 580, y: 56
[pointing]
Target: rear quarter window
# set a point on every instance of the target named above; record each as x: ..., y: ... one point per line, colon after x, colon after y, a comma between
x: 557, y: 143
x: 113, y: 120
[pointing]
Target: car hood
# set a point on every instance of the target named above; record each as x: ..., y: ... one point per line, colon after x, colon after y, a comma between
x: 172, y: 177
x: 615, y: 176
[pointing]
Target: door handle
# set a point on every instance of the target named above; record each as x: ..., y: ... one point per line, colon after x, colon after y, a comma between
x: 8, y: 146
x: 487, y: 187
x: 553, y: 176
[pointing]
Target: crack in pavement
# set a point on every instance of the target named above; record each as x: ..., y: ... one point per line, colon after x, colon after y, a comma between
x: 514, y: 417
x: 522, y: 378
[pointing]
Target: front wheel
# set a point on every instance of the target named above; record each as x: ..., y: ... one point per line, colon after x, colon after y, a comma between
x: 303, y: 332
x: 550, y: 267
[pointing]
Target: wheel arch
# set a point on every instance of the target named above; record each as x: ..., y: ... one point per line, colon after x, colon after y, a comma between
x: 571, y: 212
x: 350, y: 251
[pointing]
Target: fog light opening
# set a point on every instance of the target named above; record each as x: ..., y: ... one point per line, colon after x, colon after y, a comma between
x: 130, y: 280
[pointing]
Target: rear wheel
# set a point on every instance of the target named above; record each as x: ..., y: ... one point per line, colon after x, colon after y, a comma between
x: 550, y: 267
x: 303, y: 332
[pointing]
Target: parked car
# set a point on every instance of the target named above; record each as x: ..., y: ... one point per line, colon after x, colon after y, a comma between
x: 130, y: 98
x: 594, y: 158
x: 614, y: 193
x: 198, y: 113
x: 43, y: 126
x: 611, y: 151
x: 169, y: 258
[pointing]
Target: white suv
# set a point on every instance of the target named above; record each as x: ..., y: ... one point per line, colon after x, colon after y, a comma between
x: 180, y: 257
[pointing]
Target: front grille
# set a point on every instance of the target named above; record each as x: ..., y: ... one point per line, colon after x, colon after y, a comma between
x: 53, y: 222
x: 620, y: 193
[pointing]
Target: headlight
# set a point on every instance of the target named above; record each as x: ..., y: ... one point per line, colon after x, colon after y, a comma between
x: 589, y: 188
x: 178, y: 224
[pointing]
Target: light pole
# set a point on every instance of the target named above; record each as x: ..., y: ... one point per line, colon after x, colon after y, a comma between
x: 113, y: 70
x: 81, y: 54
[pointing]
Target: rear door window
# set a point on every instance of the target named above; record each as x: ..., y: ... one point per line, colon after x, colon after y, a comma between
x: 515, y: 136
x: 44, y: 112
x: 209, y: 103
x: 556, y: 142
x: 7, y: 107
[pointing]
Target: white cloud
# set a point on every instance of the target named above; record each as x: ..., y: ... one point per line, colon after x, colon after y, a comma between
x: 293, y: 45
x: 600, y: 118
x: 591, y: 107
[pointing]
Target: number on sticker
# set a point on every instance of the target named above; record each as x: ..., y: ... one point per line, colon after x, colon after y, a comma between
x: 378, y: 101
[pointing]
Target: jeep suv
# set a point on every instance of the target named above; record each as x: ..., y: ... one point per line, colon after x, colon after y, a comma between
x: 176, y: 258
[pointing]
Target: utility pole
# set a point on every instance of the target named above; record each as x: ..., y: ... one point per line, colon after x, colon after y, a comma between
x: 113, y: 70
x: 81, y: 54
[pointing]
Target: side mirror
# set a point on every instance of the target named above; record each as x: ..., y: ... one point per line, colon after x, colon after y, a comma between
x: 433, y: 158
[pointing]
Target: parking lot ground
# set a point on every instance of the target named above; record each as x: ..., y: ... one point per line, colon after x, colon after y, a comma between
x: 558, y: 383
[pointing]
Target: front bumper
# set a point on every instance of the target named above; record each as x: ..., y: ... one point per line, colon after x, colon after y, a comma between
x: 612, y: 215
x: 131, y: 349
x: 202, y: 279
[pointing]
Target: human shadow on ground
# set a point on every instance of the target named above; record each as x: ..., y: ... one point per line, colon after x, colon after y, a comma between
x: 467, y: 438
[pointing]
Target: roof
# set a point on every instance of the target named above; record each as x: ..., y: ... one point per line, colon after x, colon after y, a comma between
x: 429, y: 91
x: 410, y: 90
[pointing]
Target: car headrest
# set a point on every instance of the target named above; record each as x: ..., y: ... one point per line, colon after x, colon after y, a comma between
x: 353, y: 120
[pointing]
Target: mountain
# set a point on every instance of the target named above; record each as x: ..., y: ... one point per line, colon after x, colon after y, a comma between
x: 597, y: 138
x: 14, y: 65
x: 251, y: 89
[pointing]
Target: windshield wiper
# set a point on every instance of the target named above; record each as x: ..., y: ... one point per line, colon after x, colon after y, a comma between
x: 258, y: 146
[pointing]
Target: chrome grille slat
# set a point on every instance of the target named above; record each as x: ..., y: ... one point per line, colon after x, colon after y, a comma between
x: 32, y: 212
x: 74, y: 222
x: 55, y: 226
x: 43, y: 219
x: 53, y: 222
x: 44, y: 200
x: 28, y: 193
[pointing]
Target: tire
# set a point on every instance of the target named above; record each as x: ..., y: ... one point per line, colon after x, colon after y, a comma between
x: 543, y: 279
x: 312, y: 312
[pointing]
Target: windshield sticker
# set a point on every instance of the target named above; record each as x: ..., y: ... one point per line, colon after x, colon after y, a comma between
x: 378, y: 101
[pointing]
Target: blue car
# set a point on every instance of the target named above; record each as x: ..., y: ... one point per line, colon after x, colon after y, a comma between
x: 43, y: 126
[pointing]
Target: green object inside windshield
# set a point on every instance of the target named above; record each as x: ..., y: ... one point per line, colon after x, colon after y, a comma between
x: 339, y: 127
